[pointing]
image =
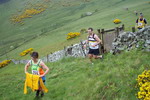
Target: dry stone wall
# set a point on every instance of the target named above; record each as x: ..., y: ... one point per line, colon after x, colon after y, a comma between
x: 75, y: 50
x: 130, y: 40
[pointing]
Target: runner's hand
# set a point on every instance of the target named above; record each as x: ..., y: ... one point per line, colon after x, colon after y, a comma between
x: 41, y: 75
x: 93, y: 45
x: 84, y: 46
x: 26, y: 72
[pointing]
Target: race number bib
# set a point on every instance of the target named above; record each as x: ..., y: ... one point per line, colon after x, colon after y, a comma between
x: 140, y: 24
x: 35, y: 72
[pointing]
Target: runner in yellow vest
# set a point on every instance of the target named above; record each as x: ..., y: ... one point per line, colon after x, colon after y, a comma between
x: 141, y: 22
x: 37, y: 67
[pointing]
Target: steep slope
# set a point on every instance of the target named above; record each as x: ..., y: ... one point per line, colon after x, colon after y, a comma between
x: 113, y: 78
x: 51, y: 26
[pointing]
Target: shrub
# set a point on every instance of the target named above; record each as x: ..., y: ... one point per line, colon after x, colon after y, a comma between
x: 96, y: 10
x: 117, y: 21
x: 144, y: 85
x: 27, y: 13
x: 25, y: 52
x: 83, y: 15
x: 83, y: 31
x: 4, y: 63
x: 72, y: 35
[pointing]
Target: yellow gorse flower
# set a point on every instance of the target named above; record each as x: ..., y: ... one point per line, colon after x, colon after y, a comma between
x: 25, y: 52
x: 28, y: 13
x: 144, y: 85
x: 4, y: 63
x: 117, y: 21
x: 72, y: 35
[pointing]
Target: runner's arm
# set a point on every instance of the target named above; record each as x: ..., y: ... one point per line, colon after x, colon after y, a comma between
x: 145, y: 21
x: 44, y: 67
x: 137, y: 21
x: 86, y: 42
x: 26, y: 67
x: 98, y: 40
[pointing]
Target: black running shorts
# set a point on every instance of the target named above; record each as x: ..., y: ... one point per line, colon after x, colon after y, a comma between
x: 94, y: 51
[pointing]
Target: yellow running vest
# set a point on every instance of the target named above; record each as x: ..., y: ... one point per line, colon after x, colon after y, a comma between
x: 141, y: 24
x: 34, y: 81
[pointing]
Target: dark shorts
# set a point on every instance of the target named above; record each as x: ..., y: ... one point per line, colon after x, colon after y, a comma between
x: 94, y: 51
x: 140, y: 28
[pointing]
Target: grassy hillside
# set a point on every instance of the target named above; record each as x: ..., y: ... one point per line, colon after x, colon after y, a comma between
x: 113, y: 78
x: 60, y: 18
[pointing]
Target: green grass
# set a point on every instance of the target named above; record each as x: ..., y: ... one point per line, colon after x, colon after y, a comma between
x: 72, y: 78
x: 57, y: 21
x: 113, y: 78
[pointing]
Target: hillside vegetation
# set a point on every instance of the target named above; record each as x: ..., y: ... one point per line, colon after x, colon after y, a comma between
x: 113, y: 78
x: 59, y: 18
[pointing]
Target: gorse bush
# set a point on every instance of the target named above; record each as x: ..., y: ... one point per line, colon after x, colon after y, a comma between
x: 72, y: 35
x: 4, y: 63
x: 28, y: 13
x: 144, y: 85
x: 117, y: 21
x: 25, y: 52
